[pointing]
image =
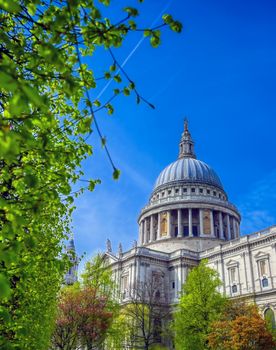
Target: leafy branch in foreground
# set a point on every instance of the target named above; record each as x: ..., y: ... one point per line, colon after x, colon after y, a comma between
x: 46, y: 115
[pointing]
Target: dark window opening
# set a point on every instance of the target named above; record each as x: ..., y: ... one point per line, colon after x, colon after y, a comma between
x: 186, y: 231
x: 193, y: 189
x: 176, y: 190
x: 265, y: 282
x: 208, y: 191
x: 214, y: 193
x: 184, y: 189
x: 234, y: 288
x: 173, y: 285
x: 175, y: 231
x: 195, y: 231
x: 201, y: 190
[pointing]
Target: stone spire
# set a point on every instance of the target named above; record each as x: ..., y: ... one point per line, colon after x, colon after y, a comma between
x: 72, y: 275
x: 186, y: 145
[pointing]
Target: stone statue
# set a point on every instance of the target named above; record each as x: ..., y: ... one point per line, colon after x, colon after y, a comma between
x: 134, y: 244
x: 108, y: 246
x: 120, y: 249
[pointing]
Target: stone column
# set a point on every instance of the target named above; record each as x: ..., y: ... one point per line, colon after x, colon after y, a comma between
x: 220, y: 226
x: 143, y: 231
x: 228, y: 227
x: 201, y: 228
x: 151, y: 228
x: 159, y: 226
x: 179, y: 225
x: 212, y: 223
x: 176, y: 281
x: 140, y: 233
x: 190, y: 223
x: 169, y: 223
x: 234, y: 227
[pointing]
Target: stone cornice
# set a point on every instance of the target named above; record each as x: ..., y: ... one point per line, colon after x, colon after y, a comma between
x: 191, y: 202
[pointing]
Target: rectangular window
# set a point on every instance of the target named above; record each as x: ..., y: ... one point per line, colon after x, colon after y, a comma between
x: 186, y: 231
x: 193, y: 189
x: 195, y: 231
x: 232, y: 273
x: 201, y: 190
x: 184, y: 189
x: 263, y: 268
x: 125, y: 282
x: 173, y: 285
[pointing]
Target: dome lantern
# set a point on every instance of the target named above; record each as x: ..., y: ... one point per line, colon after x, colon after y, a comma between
x: 186, y: 145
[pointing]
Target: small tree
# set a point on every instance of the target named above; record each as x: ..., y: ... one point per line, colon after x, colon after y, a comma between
x: 83, y: 320
x: 200, y: 305
x: 86, y: 310
x: 241, y: 328
x: 145, y: 313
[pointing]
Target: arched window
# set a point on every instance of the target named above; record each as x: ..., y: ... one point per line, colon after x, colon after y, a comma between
x: 234, y: 288
x: 265, y: 282
x: 270, y: 318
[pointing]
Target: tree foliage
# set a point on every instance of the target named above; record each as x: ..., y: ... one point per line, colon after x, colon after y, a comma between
x: 199, y: 305
x: 86, y: 310
x: 241, y: 327
x: 83, y: 320
x: 47, y: 113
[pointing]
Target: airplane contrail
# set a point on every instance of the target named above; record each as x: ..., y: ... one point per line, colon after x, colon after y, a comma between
x: 133, y: 50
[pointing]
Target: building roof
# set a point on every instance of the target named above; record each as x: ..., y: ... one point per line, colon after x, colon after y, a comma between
x: 187, y: 168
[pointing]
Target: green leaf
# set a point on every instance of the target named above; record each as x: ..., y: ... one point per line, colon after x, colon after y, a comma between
x: 5, y: 290
x: 117, y: 78
x: 107, y: 75
x: 154, y: 41
x: 116, y: 174
x: 10, y: 6
x: 110, y: 109
x: 97, y: 103
x: 126, y: 91
x: 147, y: 32
x: 132, y: 25
x: 167, y: 18
x: 131, y: 11
x: 112, y: 67
x: 30, y: 180
x: 103, y: 141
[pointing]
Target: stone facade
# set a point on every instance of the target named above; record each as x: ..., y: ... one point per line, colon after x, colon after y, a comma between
x: 189, y: 218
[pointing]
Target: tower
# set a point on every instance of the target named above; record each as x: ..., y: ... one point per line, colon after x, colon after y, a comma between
x: 188, y: 206
x: 71, y: 276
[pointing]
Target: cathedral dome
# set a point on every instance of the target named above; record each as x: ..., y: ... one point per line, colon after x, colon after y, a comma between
x: 189, y: 170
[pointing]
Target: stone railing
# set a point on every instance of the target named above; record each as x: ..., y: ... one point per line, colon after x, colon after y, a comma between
x: 239, y: 241
x: 189, y: 198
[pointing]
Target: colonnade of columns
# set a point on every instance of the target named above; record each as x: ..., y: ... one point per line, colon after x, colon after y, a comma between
x: 191, y: 222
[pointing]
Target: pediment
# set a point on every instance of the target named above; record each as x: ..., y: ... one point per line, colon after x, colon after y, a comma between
x: 110, y: 258
x: 232, y: 262
x: 261, y: 255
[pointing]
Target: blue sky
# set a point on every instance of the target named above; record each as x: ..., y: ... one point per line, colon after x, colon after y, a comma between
x: 220, y: 72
